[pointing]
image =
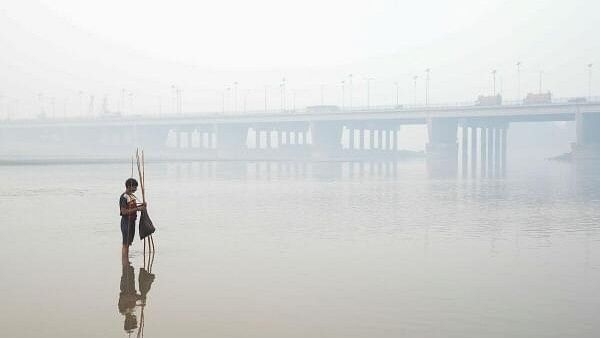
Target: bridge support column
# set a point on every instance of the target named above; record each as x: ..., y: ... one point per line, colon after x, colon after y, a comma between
x: 473, y: 151
x: 504, y: 149
x: 326, y: 139
x: 361, y: 139
x: 372, y: 139
x: 489, y: 156
x: 152, y: 138
x: 497, y: 150
x: 464, y: 150
x: 484, y: 136
x: 231, y: 140
x: 256, y: 138
x: 269, y: 139
x: 442, y: 149
x: 282, y: 139
x: 587, y: 146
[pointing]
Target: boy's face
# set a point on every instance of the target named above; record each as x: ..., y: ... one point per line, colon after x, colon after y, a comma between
x: 131, y: 189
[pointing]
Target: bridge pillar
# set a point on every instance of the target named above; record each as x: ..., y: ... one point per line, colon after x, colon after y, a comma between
x: 494, y: 150
x: 588, y: 136
x: 361, y: 140
x: 484, y: 137
x: 393, y: 139
x: 268, y: 137
x: 442, y: 148
x: 464, y: 150
x: 326, y: 139
x: 231, y: 140
x: 473, y: 151
x: 503, y: 135
x: 372, y: 139
x: 281, y: 138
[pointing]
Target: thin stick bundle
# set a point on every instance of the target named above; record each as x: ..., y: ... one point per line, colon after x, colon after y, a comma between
x: 145, y: 224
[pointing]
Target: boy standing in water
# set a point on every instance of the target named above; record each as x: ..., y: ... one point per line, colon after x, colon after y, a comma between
x: 128, y: 210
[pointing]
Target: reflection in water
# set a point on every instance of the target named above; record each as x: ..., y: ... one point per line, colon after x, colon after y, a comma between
x: 129, y: 299
x: 274, y: 170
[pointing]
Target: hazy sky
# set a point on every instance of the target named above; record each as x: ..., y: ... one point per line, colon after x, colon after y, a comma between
x: 55, y: 54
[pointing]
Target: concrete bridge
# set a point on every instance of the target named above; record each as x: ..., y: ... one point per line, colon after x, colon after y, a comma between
x: 321, y: 135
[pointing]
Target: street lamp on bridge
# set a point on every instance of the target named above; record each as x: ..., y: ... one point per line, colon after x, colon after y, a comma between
x: 343, y: 85
x: 519, y: 80
x: 369, y: 79
x: 397, y: 93
x: 282, y: 89
x: 235, y: 96
x: 350, y: 83
x: 494, y: 82
x: 589, y: 66
x: 415, y: 89
x: 427, y: 86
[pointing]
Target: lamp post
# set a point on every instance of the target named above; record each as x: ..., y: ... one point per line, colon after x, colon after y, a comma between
x: 427, y: 86
x: 369, y: 79
x: 415, y: 89
x: 294, y: 100
x: 246, y: 100
x: 265, y: 98
x: 519, y: 80
x: 235, y: 96
x: 173, y: 98
x: 589, y: 66
x: 226, y: 90
x: 122, y: 103
x: 343, y: 85
x: 282, y: 89
x: 41, y: 102
x: 397, y: 94
x: 350, y: 79
x: 494, y: 82
x: 131, y: 103
x: 80, y: 103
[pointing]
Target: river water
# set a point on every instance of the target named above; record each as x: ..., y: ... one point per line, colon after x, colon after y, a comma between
x: 279, y: 249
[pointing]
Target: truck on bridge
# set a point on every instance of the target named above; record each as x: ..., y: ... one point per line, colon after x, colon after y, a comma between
x: 491, y: 100
x: 539, y: 98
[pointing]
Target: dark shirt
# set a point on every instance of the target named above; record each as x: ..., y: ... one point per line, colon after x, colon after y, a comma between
x: 128, y: 202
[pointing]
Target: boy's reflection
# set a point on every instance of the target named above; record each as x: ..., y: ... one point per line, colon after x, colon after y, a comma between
x: 128, y: 297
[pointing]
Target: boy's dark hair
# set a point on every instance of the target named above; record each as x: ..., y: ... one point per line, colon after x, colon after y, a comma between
x: 131, y: 182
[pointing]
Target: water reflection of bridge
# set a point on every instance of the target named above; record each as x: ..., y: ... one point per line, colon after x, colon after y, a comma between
x: 466, y: 136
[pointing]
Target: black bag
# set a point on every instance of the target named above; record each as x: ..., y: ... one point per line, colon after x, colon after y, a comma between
x: 145, y: 224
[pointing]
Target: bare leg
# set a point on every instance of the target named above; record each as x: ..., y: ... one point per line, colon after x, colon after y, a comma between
x: 125, y: 251
x: 150, y: 262
x: 152, y: 241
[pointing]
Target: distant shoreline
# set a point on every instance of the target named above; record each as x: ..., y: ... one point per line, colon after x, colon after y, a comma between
x: 400, y: 156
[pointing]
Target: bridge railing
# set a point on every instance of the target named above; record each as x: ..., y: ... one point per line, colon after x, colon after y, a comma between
x: 344, y: 110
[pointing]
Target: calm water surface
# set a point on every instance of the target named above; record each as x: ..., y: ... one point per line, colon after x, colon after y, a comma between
x: 273, y: 249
